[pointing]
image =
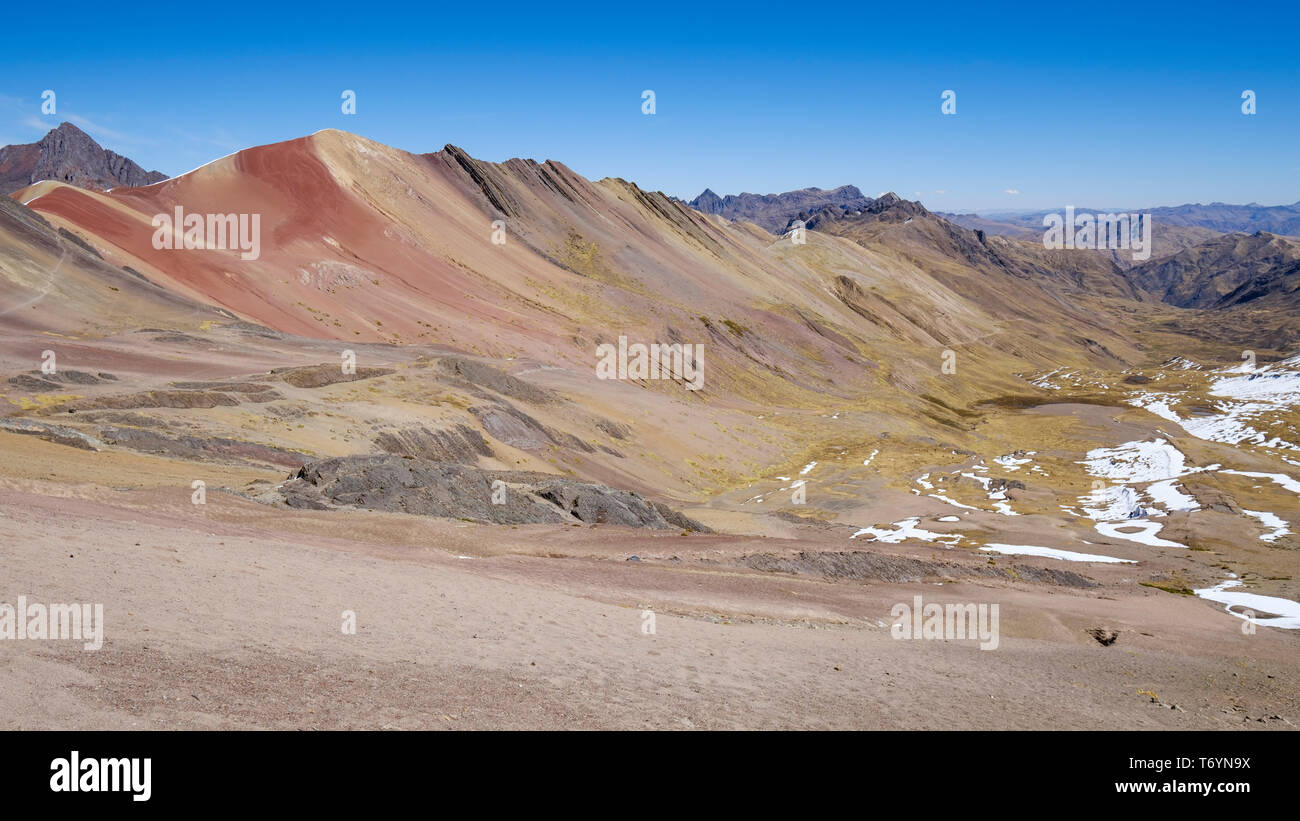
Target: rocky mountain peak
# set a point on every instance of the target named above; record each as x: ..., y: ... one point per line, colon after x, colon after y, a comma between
x: 70, y: 155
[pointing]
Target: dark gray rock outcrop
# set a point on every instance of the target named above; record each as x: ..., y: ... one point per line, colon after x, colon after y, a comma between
x: 70, y: 155
x: 429, y: 488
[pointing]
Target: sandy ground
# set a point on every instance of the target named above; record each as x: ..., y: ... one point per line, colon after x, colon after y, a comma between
x: 230, y: 615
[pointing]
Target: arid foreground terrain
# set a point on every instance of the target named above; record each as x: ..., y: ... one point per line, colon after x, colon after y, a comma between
x: 898, y: 407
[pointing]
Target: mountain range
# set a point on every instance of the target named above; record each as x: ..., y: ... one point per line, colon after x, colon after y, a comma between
x: 406, y: 374
x: 1227, y: 271
x: 68, y: 154
x: 775, y: 211
x: 1217, y: 217
x: 1195, y: 263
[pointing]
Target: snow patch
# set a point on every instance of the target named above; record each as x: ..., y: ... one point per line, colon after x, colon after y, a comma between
x: 906, y: 529
x: 1138, y: 462
x: 1277, y: 478
x: 1286, y: 613
x: 1272, y: 520
x: 1170, y: 497
x: 1145, y: 535
x: 1053, y: 553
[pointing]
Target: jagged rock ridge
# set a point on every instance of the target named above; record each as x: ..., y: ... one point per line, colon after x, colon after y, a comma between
x: 70, y: 155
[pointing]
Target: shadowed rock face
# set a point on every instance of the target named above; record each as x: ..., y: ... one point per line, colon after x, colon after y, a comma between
x: 200, y: 448
x: 70, y: 155
x: 889, y: 208
x: 460, y: 444
x: 1226, y: 272
x: 427, y: 488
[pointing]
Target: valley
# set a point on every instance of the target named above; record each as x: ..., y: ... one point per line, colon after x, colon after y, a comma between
x: 394, y: 415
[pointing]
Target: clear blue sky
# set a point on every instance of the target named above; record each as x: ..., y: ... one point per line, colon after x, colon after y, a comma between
x: 1095, y: 104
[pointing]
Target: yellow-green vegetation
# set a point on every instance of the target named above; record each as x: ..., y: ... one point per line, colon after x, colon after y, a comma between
x: 1175, y: 585
x: 42, y: 400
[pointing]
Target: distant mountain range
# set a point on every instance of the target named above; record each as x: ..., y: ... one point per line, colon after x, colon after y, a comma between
x: 68, y: 154
x: 1215, y: 256
x: 1217, y: 216
x: 775, y: 211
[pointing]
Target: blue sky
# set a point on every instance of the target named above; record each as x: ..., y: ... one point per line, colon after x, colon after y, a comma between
x: 1101, y: 105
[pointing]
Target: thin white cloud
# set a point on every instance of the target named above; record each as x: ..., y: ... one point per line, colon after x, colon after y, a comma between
x: 20, y: 115
x: 221, y: 140
x: 1015, y: 192
x: 97, y: 130
x: 24, y: 114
